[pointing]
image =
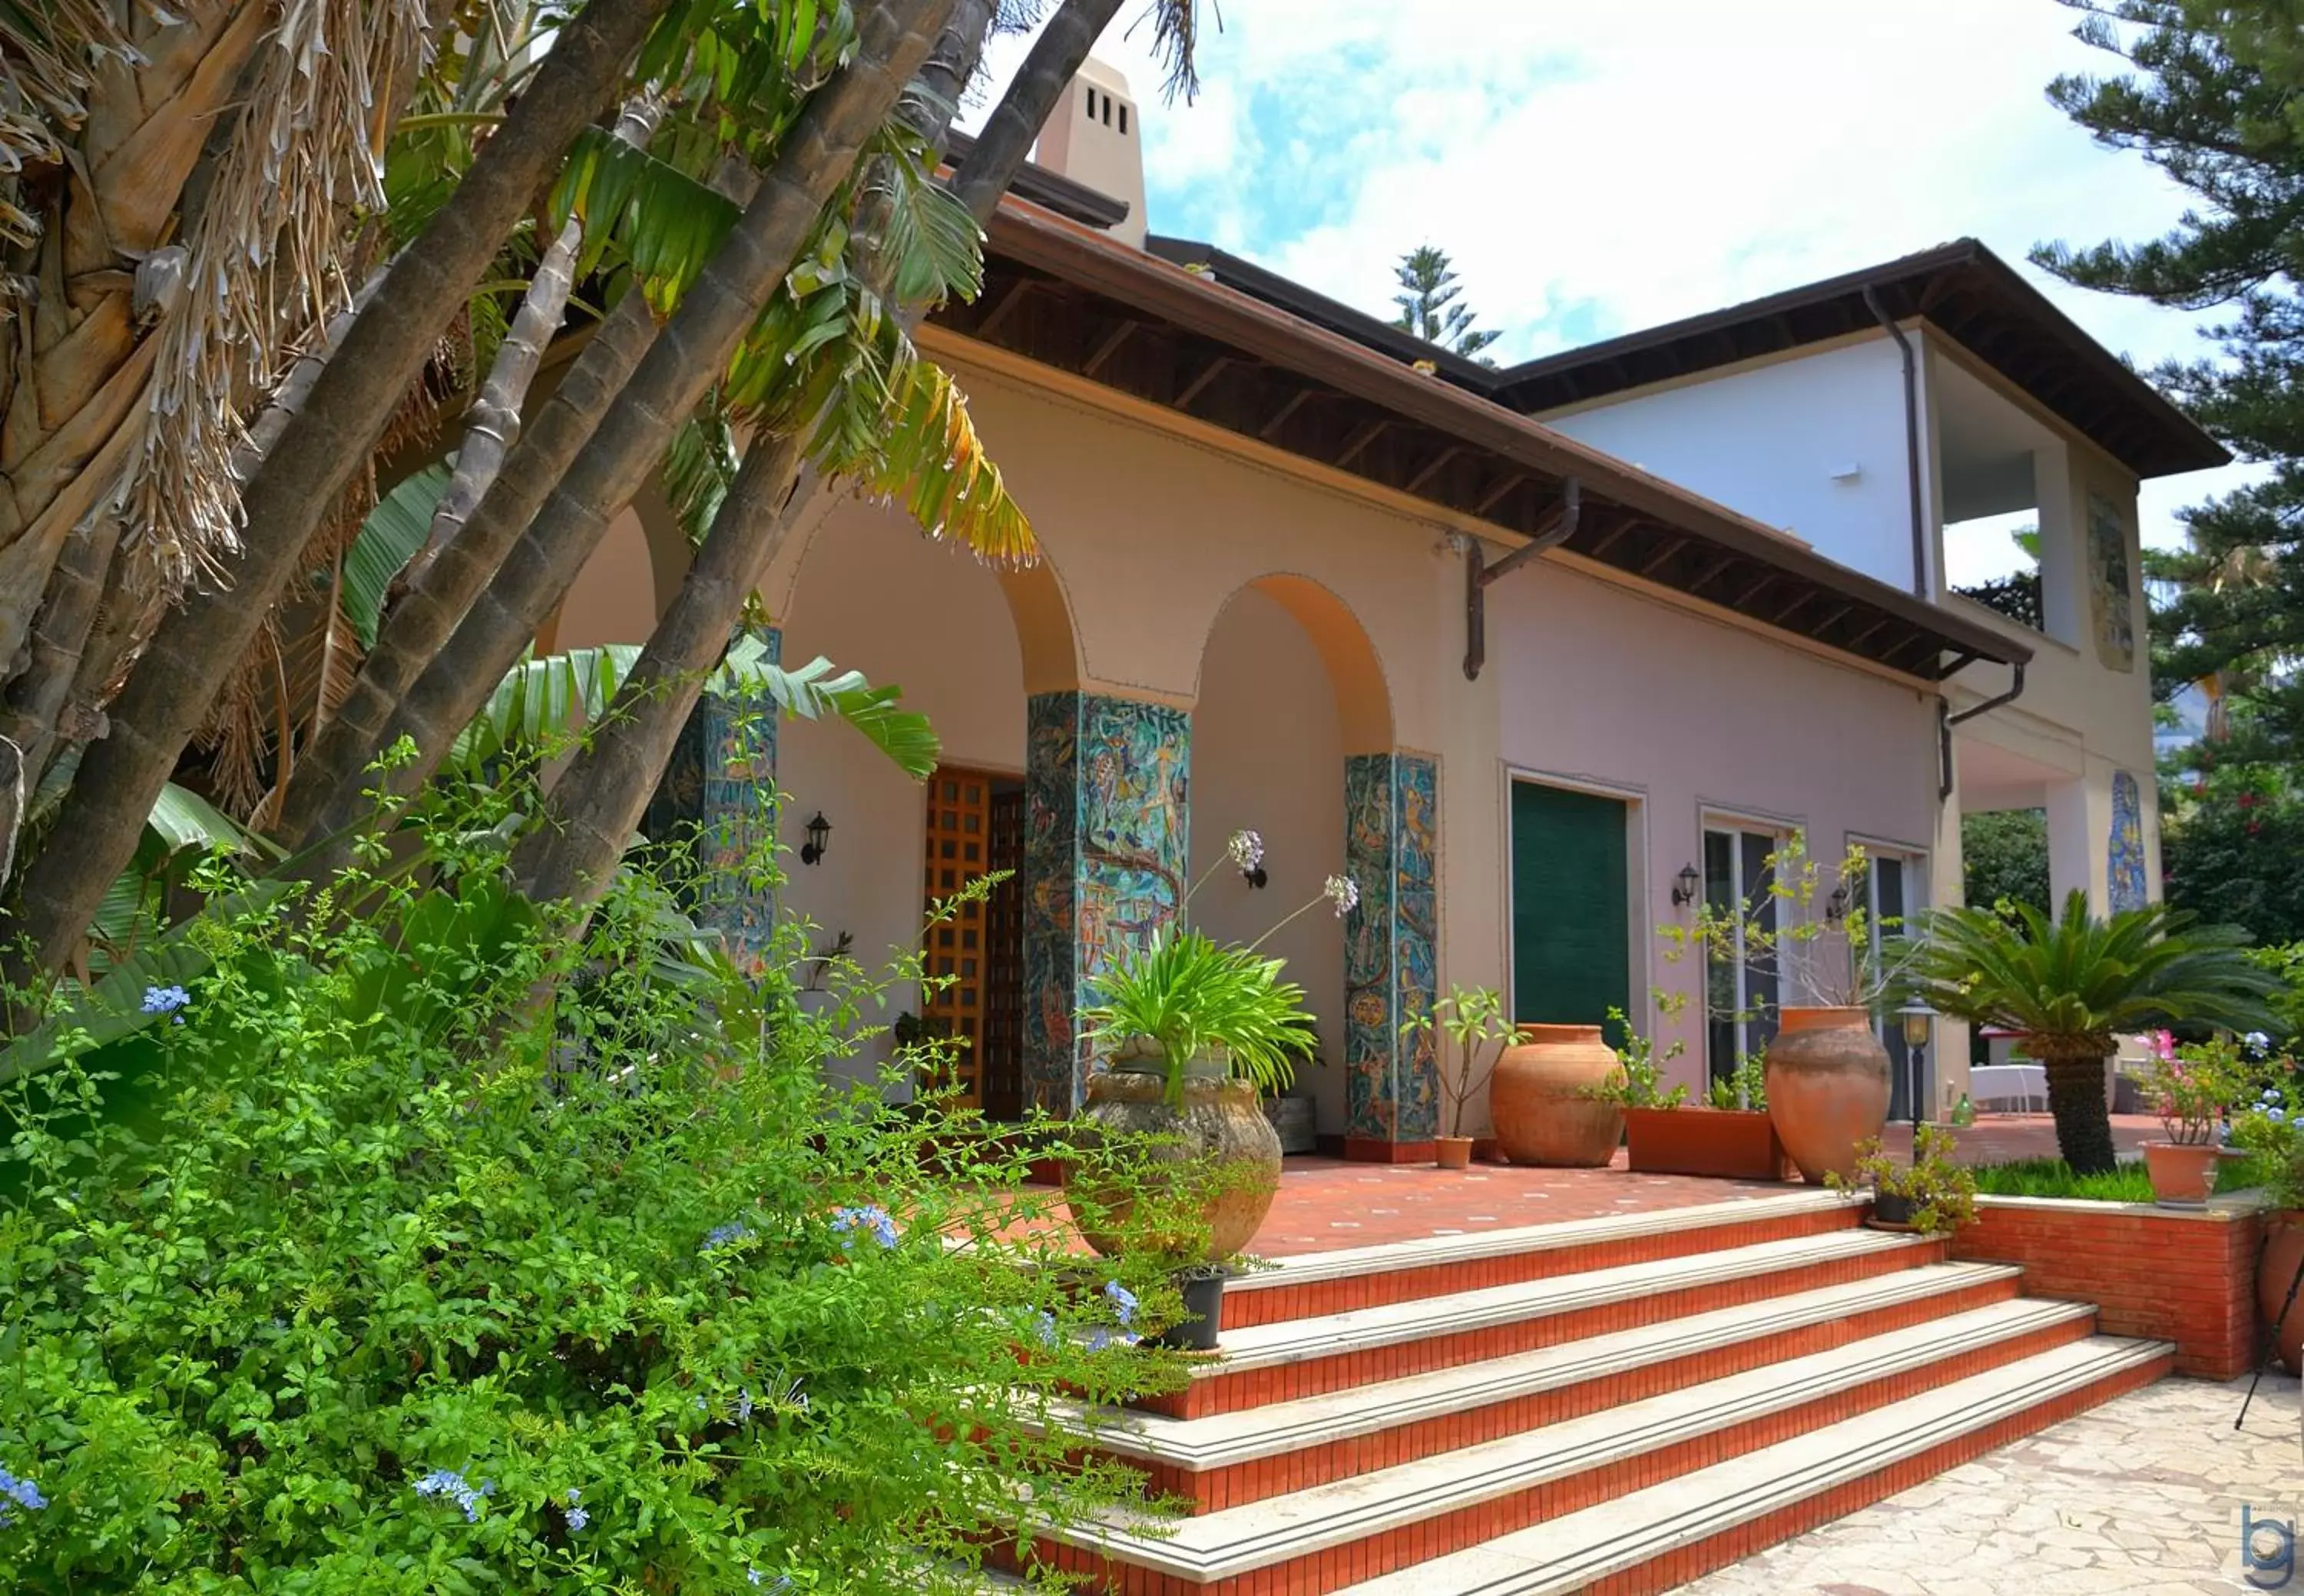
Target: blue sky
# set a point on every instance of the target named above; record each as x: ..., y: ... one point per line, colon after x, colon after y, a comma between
x: 1598, y: 167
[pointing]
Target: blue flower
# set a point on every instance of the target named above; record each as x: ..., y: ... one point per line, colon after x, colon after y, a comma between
x: 165, y: 1000
x: 723, y: 1236
x: 744, y: 1407
x: 449, y: 1483
x: 1123, y: 1302
x: 1101, y: 1338
x: 22, y: 1492
x: 2276, y: 1115
x: 577, y: 1517
x: 869, y: 1217
x: 2257, y: 1042
x: 1044, y: 1324
x: 782, y: 1581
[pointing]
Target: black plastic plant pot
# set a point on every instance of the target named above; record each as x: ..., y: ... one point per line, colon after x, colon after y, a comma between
x: 1888, y: 1208
x: 1202, y: 1293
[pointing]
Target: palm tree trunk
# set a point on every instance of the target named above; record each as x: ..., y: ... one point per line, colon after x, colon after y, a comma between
x: 493, y: 423
x: 596, y: 803
x: 2076, y: 1097
x: 198, y: 646
x: 687, y: 357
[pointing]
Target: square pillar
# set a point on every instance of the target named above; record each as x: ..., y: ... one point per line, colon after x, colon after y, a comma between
x: 1391, y: 960
x: 1105, y: 819
x: 719, y: 789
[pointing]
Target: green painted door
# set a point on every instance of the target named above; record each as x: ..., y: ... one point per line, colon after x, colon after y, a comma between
x: 1571, y: 908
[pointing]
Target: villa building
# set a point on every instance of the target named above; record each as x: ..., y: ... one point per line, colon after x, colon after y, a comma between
x: 1543, y: 657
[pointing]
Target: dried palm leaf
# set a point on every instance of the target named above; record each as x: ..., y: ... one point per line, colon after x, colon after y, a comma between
x: 272, y: 262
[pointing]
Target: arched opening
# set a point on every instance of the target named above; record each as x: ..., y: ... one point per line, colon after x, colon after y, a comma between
x: 1290, y: 687
x: 968, y: 646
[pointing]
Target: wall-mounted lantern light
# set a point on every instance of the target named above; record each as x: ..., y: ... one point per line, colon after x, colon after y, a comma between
x: 1835, y: 907
x: 1683, y: 892
x: 820, y: 838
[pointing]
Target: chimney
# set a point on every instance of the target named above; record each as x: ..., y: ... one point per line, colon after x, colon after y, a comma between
x: 1095, y: 137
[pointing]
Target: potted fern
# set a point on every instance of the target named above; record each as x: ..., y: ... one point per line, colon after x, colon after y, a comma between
x: 1192, y: 1031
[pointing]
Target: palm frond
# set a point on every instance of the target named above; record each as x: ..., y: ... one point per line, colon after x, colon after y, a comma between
x: 664, y: 222
x: 931, y: 460
x: 389, y: 538
x: 821, y: 691
x: 548, y: 698
x: 1175, y: 28
x: 699, y: 469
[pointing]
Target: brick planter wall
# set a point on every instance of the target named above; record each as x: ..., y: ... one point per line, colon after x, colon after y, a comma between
x: 2163, y: 1274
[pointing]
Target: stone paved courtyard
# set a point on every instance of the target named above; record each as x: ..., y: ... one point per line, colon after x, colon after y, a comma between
x: 2141, y: 1496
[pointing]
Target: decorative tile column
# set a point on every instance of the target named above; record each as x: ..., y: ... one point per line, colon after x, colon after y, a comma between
x: 1105, y: 818
x: 2124, y: 885
x: 1391, y: 833
x: 719, y: 788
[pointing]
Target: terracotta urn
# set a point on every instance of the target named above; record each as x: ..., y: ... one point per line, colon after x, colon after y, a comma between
x: 1540, y: 1098
x: 1827, y: 1079
x: 2276, y: 1274
x: 1220, y: 1122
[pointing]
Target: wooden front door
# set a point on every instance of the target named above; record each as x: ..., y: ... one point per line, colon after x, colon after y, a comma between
x: 974, y: 826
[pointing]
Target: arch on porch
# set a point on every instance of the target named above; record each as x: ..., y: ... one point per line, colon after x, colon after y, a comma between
x: 1355, y: 672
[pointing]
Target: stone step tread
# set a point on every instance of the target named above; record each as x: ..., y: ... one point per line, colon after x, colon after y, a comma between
x: 1357, y: 1330
x: 1571, y: 1552
x: 1439, y: 1251
x: 1282, y: 1528
x: 1223, y: 1441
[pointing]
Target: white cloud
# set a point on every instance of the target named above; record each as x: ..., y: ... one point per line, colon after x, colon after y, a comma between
x: 1597, y: 168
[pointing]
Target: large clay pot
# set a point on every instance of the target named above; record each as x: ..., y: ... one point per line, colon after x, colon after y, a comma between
x: 1827, y: 1079
x: 2276, y: 1272
x: 1220, y: 1121
x: 1540, y: 1099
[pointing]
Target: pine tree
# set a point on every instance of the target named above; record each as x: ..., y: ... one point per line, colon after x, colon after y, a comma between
x: 1428, y: 306
x: 2216, y: 101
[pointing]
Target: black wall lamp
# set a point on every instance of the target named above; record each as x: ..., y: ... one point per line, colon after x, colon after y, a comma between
x: 1835, y: 907
x: 1683, y: 892
x: 820, y: 838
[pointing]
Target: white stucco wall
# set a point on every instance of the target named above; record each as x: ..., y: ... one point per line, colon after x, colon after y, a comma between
x: 1267, y: 756
x: 875, y: 596
x: 1687, y: 717
x: 1767, y: 439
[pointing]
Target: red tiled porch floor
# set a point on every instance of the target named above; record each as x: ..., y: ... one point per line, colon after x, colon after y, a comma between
x: 1329, y: 1205
x: 1325, y: 1204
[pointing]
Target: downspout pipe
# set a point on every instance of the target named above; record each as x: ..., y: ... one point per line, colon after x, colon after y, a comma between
x: 1911, y: 438
x: 1946, y: 720
x: 1478, y: 574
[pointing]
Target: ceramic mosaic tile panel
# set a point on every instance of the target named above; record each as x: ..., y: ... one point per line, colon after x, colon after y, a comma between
x: 1391, y: 946
x: 2124, y: 866
x: 720, y: 787
x: 1107, y: 821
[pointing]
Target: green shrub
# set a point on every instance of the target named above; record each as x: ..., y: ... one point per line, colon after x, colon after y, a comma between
x: 435, y: 1253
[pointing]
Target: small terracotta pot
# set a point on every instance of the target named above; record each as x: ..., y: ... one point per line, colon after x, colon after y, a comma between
x: 2275, y: 1273
x: 2183, y: 1173
x: 1827, y: 1078
x: 1453, y: 1152
x: 1220, y: 1121
x: 1537, y: 1099
x: 1724, y: 1143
